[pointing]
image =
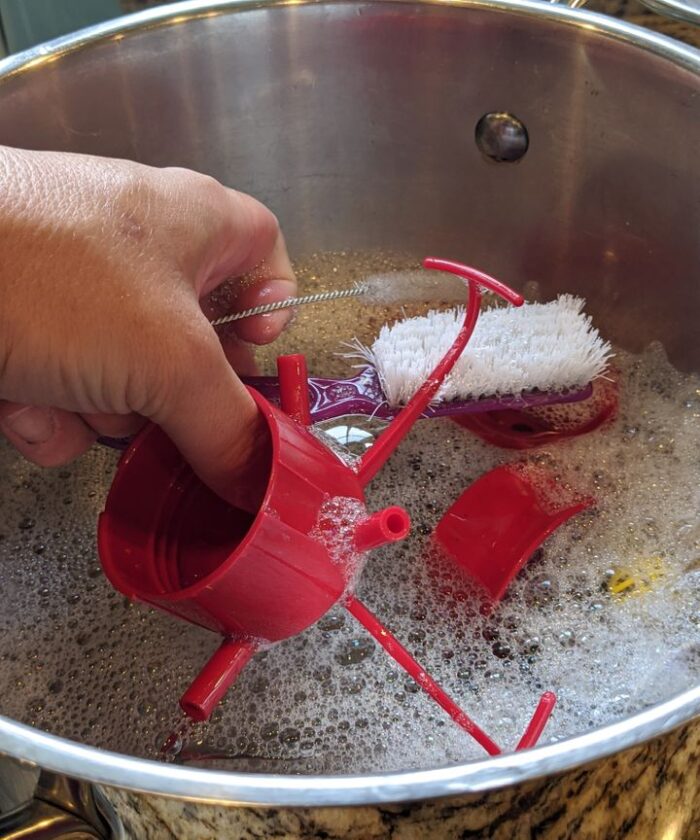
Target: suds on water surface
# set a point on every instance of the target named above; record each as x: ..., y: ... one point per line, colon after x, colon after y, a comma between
x: 606, y: 615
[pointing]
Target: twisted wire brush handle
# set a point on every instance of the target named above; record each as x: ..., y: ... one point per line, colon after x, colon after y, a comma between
x: 266, y: 308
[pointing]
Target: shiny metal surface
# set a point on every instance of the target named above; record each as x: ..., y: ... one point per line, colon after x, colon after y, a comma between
x: 18, y: 782
x: 40, y: 821
x: 361, y: 139
x: 266, y: 789
x: 304, y: 300
x: 589, y: 90
x: 40, y: 805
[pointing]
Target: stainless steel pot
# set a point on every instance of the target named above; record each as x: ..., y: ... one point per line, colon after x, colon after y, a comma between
x: 532, y: 140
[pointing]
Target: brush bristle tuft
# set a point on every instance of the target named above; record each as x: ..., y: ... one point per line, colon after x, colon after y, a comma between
x: 546, y: 346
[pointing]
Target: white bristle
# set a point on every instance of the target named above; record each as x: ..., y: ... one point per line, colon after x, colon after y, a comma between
x: 546, y: 346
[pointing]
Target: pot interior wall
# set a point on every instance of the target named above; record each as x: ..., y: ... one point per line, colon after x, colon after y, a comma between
x: 356, y: 122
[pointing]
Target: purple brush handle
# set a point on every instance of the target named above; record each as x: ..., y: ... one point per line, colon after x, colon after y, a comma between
x: 362, y: 394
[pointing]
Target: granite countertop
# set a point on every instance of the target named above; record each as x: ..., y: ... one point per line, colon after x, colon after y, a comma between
x: 650, y: 792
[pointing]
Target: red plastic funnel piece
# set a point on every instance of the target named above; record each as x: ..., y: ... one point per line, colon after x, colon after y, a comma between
x: 169, y: 541
x: 166, y: 539
x: 497, y: 523
x: 528, y: 428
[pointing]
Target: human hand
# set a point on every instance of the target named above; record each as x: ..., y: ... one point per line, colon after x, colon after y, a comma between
x: 106, y: 268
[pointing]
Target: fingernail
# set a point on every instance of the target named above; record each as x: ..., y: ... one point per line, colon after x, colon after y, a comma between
x: 274, y: 290
x: 32, y: 424
x: 270, y: 326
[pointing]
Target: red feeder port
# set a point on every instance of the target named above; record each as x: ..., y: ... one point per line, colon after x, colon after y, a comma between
x: 385, y: 526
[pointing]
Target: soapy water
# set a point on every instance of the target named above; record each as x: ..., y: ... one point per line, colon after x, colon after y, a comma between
x: 335, y: 529
x: 606, y: 614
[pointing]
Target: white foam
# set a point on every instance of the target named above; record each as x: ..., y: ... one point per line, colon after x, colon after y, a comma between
x: 335, y: 529
x: 76, y: 659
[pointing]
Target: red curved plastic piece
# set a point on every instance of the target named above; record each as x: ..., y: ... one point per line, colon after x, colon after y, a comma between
x: 496, y: 525
x: 532, y: 427
x: 379, y: 453
x: 466, y: 272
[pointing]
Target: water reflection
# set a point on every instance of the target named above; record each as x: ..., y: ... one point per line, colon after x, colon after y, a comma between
x: 355, y: 434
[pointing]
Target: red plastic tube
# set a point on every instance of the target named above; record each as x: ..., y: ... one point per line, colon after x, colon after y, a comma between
x: 538, y: 722
x: 376, y: 457
x: 466, y: 272
x: 399, y: 653
x: 216, y: 677
x: 293, y: 379
x: 382, y: 527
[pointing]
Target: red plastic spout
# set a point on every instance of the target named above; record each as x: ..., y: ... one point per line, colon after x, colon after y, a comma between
x: 382, y: 527
x: 216, y: 677
x: 376, y: 457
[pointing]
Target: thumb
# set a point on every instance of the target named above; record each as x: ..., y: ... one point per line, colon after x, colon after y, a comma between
x: 214, y: 422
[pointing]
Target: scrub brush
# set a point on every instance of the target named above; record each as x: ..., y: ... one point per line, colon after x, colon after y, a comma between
x: 535, y: 355
x: 545, y: 347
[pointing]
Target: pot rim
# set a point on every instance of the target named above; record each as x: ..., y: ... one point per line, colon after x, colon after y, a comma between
x: 186, y: 10
x: 275, y: 790
x: 152, y: 777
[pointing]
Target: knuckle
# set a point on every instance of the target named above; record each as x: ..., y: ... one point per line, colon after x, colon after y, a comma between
x: 174, y: 368
x: 256, y: 225
x: 196, y: 183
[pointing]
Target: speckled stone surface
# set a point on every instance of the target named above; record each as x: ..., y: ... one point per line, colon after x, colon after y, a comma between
x: 650, y: 792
